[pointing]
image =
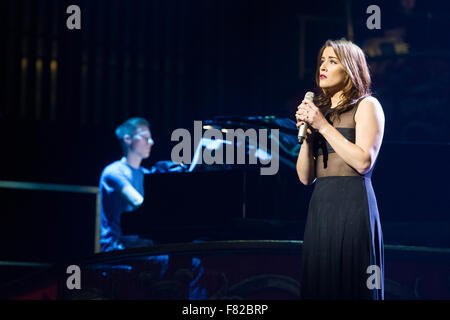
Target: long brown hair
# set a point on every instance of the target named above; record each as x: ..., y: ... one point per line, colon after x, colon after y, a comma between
x: 357, y: 82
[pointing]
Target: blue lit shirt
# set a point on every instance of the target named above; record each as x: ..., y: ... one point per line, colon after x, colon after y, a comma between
x: 114, y: 177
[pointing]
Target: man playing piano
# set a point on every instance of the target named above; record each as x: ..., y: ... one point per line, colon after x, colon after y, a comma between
x: 122, y: 185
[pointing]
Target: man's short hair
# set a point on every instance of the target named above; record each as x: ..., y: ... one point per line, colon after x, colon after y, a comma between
x: 129, y: 127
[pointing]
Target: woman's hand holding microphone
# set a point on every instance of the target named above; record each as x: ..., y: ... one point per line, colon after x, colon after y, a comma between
x: 309, y: 113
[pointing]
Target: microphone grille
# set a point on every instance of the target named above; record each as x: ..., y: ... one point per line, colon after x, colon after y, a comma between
x: 309, y: 95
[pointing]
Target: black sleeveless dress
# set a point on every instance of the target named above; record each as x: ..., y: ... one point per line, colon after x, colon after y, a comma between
x: 342, y: 256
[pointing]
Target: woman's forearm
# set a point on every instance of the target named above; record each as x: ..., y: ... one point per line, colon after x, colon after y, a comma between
x: 306, y: 164
x: 351, y: 153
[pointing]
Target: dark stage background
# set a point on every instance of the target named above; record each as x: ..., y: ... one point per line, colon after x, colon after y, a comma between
x: 63, y: 92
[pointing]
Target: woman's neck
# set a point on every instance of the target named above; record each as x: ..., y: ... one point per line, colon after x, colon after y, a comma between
x: 336, y: 99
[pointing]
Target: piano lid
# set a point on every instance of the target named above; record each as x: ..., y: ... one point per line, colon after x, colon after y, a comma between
x: 239, y: 143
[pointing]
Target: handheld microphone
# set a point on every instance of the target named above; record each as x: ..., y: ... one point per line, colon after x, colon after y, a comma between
x: 309, y: 96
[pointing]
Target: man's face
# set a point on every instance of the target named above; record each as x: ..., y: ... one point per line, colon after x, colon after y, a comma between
x: 142, y: 142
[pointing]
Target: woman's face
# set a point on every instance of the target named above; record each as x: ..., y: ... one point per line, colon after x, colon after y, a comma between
x: 332, y: 72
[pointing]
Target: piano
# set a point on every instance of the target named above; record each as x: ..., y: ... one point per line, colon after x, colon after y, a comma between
x: 226, y: 201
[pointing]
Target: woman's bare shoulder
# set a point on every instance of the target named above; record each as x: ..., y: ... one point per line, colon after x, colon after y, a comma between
x: 369, y: 106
